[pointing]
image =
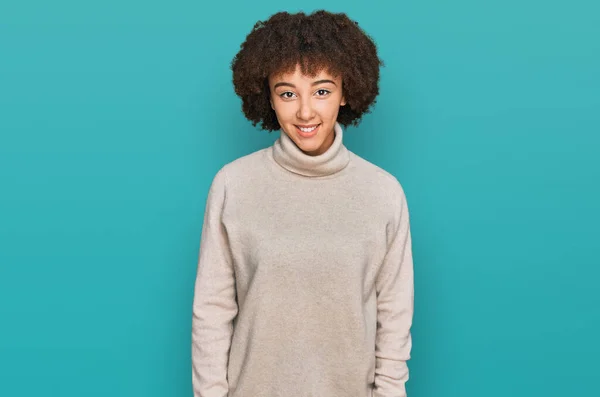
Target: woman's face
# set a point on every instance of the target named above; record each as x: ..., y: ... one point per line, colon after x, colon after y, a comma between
x: 307, y: 108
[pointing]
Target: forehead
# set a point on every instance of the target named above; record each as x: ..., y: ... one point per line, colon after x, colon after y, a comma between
x: 296, y: 75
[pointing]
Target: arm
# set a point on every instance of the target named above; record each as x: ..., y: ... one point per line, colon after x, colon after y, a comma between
x: 394, y: 309
x: 215, y: 305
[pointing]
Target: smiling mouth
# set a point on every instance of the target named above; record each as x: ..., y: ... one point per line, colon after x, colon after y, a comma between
x: 307, y: 131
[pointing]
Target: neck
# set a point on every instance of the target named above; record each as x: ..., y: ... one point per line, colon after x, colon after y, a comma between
x: 290, y: 157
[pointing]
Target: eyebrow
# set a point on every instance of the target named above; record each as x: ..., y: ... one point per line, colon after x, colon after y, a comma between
x: 315, y: 83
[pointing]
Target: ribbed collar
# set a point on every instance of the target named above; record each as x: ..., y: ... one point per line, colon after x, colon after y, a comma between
x: 290, y: 157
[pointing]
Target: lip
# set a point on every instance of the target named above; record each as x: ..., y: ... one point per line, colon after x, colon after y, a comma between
x: 307, y: 134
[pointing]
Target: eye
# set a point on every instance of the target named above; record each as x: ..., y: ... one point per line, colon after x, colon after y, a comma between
x: 323, y: 92
x: 287, y: 95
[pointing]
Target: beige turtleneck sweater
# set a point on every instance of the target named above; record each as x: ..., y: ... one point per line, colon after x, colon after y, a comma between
x: 305, y: 278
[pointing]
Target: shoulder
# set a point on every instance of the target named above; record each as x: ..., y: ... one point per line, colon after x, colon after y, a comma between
x: 378, y: 179
x: 242, y: 168
x: 386, y: 190
x: 249, y: 161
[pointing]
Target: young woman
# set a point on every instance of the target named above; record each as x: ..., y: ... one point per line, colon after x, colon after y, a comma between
x: 305, y: 275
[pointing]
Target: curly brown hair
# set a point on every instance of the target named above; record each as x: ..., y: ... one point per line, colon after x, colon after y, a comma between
x: 319, y: 41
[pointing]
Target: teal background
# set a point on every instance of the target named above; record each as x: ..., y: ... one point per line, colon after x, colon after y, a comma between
x: 115, y: 116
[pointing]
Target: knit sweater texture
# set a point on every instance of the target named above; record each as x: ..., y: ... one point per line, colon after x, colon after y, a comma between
x: 304, y: 282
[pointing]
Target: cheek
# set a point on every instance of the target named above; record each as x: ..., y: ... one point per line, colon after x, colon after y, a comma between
x: 283, y: 110
x: 328, y: 109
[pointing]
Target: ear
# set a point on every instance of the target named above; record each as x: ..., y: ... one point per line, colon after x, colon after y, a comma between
x: 271, y: 102
x: 343, y: 102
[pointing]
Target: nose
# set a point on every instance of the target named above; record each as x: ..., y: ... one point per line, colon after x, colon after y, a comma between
x: 305, y: 110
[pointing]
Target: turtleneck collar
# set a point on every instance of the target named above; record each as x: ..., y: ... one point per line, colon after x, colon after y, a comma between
x: 290, y: 157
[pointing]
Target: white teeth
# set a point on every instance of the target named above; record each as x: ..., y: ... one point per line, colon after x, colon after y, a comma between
x: 307, y: 129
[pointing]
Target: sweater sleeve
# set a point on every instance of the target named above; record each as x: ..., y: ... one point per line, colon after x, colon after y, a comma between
x: 395, y: 298
x: 215, y: 305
